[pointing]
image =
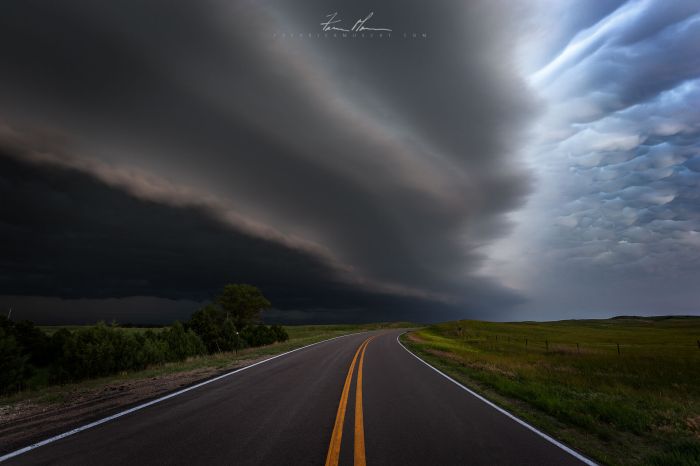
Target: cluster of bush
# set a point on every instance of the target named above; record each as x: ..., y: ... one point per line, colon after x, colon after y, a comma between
x: 219, y: 332
x: 229, y: 324
x: 86, y: 352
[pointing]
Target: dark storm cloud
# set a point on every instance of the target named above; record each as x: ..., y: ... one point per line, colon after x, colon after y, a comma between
x: 68, y: 235
x: 389, y: 159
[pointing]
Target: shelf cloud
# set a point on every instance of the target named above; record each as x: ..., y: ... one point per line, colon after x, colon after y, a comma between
x: 336, y: 174
x: 478, y: 160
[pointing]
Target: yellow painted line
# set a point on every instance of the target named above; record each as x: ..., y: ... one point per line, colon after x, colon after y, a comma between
x: 359, y: 419
x: 333, y: 455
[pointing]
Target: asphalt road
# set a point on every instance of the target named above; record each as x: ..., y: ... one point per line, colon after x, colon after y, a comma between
x: 289, y: 411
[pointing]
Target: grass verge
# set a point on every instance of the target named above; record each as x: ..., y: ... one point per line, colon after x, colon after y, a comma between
x: 622, y: 391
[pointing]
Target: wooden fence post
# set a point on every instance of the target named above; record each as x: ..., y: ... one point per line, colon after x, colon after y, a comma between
x: 618, y: 349
x: 546, y: 345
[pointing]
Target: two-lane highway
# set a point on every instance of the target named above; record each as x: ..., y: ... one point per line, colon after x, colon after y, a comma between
x: 360, y: 399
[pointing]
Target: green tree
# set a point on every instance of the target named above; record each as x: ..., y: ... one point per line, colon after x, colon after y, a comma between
x: 183, y: 343
x: 34, y: 342
x: 14, y: 367
x: 208, y: 323
x: 230, y: 335
x: 242, y: 304
x: 281, y: 334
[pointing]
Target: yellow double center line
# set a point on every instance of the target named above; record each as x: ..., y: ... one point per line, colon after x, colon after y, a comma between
x: 337, y: 436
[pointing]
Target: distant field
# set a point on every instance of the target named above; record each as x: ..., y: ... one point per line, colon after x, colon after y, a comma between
x: 51, y: 329
x: 638, y: 406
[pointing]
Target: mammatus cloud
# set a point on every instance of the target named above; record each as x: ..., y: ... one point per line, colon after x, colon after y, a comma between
x: 380, y: 169
x: 617, y: 152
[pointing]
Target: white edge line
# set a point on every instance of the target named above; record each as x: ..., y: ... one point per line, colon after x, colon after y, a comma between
x: 570, y: 451
x: 157, y: 400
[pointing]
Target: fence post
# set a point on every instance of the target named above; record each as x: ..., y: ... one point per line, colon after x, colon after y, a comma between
x: 578, y: 350
x: 546, y: 345
x: 526, y: 343
x: 618, y: 349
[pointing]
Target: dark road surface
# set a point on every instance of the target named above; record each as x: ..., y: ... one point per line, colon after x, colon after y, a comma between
x: 283, y: 412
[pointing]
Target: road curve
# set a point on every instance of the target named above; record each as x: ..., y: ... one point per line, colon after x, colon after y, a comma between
x: 303, y: 409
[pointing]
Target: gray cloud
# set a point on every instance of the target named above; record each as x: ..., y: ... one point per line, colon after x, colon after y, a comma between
x: 71, y: 236
x: 384, y: 164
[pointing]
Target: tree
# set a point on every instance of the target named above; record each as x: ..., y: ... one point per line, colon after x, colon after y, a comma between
x: 14, y: 367
x: 242, y: 304
x: 230, y: 335
x: 232, y: 319
x: 33, y: 342
x: 208, y: 323
x: 281, y: 334
x: 182, y: 343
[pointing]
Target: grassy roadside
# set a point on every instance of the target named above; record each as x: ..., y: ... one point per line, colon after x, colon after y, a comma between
x: 641, y: 406
x: 298, y: 336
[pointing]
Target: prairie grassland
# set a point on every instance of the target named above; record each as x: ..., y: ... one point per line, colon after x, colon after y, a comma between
x: 638, y: 406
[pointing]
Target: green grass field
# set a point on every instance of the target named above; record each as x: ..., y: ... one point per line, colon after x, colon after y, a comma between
x: 638, y: 406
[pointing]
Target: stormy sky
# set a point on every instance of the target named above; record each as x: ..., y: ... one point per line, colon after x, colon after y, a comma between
x: 494, y: 160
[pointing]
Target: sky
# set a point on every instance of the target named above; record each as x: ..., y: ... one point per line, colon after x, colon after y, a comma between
x: 529, y: 160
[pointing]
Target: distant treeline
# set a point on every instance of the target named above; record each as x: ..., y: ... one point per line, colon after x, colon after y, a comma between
x: 228, y: 324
